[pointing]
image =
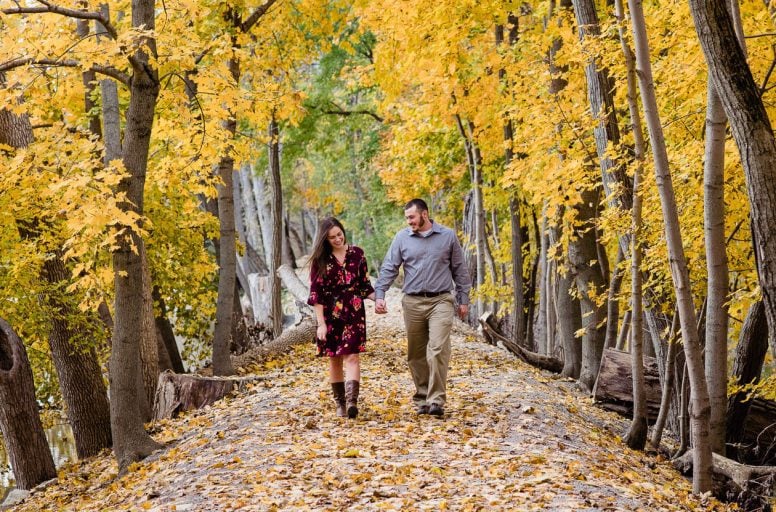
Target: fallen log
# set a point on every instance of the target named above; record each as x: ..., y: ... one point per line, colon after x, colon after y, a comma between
x: 302, y: 333
x: 613, y: 389
x: 176, y: 393
x: 758, y: 479
x: 492, y: 334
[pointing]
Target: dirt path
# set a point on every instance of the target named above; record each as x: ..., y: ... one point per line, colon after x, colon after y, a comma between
x: 513, y: 439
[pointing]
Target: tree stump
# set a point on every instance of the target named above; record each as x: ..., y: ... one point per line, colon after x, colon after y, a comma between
x: 176, y: 393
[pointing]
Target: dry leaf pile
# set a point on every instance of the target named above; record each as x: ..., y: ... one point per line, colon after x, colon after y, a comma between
x: 513, y: 438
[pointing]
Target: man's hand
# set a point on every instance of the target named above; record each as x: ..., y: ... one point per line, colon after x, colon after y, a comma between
x: 380, y: 308
x: 463, y: 311
x: 320, y: 333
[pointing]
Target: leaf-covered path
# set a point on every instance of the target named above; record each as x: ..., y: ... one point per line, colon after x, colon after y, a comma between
x: 513, y: 439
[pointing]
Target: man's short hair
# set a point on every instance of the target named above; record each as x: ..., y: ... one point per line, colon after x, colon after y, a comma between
x: 420, y: 204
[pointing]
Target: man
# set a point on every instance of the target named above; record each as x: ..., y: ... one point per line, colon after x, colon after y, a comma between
x: 433, y: 263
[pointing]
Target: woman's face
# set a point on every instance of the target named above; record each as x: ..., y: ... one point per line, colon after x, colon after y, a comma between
x: 336, y: 237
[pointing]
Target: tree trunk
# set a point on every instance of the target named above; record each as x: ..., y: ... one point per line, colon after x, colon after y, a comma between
x: 478, y: 214
x: 149, y: 343
x: 747, y: 366
x: 612, y: 300
x: 569, y: 322
x: 166, y: 333
x: 751, y: 130
x: 716, y: 265
x: 227, y: 271
x: 130, y: 440
x: 78, y: 371
x: 585, y: 266
x: 518, y: 286
x: 111, y: 114
x: 23, y: 436
x: 668, y: 384
x: 679, y: 271
x: 276, y: 310
x: 636, y: 437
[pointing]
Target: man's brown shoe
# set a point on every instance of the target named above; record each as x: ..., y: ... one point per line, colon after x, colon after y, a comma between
x: 422, y: 409
x: 436, y: 410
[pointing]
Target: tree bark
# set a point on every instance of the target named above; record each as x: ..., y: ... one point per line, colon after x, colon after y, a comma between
x: 614, y: 387
x: 130, y: 440
x: 179, y: 393
x: 78, y: 371
x: 165, y: 331
x: 276, y: 309
x: 751, y: 130
x: 492, y: 335
x: 716, y: 266
x: 23, y: 436
x: 668, y: 384
x: 149, y: 343
x: 747, y: 366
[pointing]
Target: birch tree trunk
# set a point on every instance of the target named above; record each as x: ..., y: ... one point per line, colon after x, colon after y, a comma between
x: 702, y: 462
x: 637, y: 433
x: 716, y: 266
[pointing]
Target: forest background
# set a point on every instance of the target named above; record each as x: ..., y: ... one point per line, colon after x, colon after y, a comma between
x: 160, y: 161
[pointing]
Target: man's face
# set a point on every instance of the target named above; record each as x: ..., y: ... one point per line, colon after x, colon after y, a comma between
x: 416, y: 220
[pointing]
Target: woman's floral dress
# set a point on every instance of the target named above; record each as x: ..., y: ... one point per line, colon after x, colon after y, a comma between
x: 341, y: 288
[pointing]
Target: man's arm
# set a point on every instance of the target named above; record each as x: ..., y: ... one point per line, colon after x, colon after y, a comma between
x: 460, y: 271
x: 388, y: 272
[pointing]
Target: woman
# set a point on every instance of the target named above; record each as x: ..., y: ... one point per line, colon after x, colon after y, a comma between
x: 338, y: 284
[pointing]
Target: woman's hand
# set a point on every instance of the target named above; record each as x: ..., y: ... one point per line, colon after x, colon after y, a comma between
x: 321, y: 332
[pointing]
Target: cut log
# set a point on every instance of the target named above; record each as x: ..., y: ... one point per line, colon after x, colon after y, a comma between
x: 614, y: 387
x: 176, y: 392
x: 491, y: 333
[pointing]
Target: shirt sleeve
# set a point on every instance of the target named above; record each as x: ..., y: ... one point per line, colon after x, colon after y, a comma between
x: 460, y: 271
x: 389, y: 269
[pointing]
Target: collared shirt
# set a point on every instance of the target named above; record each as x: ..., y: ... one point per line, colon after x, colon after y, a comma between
x: 432, y: 263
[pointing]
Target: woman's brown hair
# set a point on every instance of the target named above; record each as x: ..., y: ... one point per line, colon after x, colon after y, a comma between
x: 322, y: 247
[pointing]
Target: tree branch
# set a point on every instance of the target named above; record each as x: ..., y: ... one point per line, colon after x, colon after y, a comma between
x: 342, y: 112
x: 255, y: 16
x: 48, y: 7
x: 103, y: 70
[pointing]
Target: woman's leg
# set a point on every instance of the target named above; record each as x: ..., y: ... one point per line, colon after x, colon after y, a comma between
x: 353, y: 374
x: 335, y: 369
x: 336, y: 378
x: 352, y: 366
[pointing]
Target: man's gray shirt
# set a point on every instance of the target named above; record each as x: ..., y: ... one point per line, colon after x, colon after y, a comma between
x: 432, y: 264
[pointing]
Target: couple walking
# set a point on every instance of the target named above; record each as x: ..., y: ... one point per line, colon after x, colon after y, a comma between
x: 339, y: 282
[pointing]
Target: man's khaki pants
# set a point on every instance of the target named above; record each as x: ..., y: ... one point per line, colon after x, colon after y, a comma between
x: 428, y: 321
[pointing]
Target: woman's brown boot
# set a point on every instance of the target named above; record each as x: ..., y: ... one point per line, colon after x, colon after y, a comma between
x: 351, y: 397
x: 338, y: 389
